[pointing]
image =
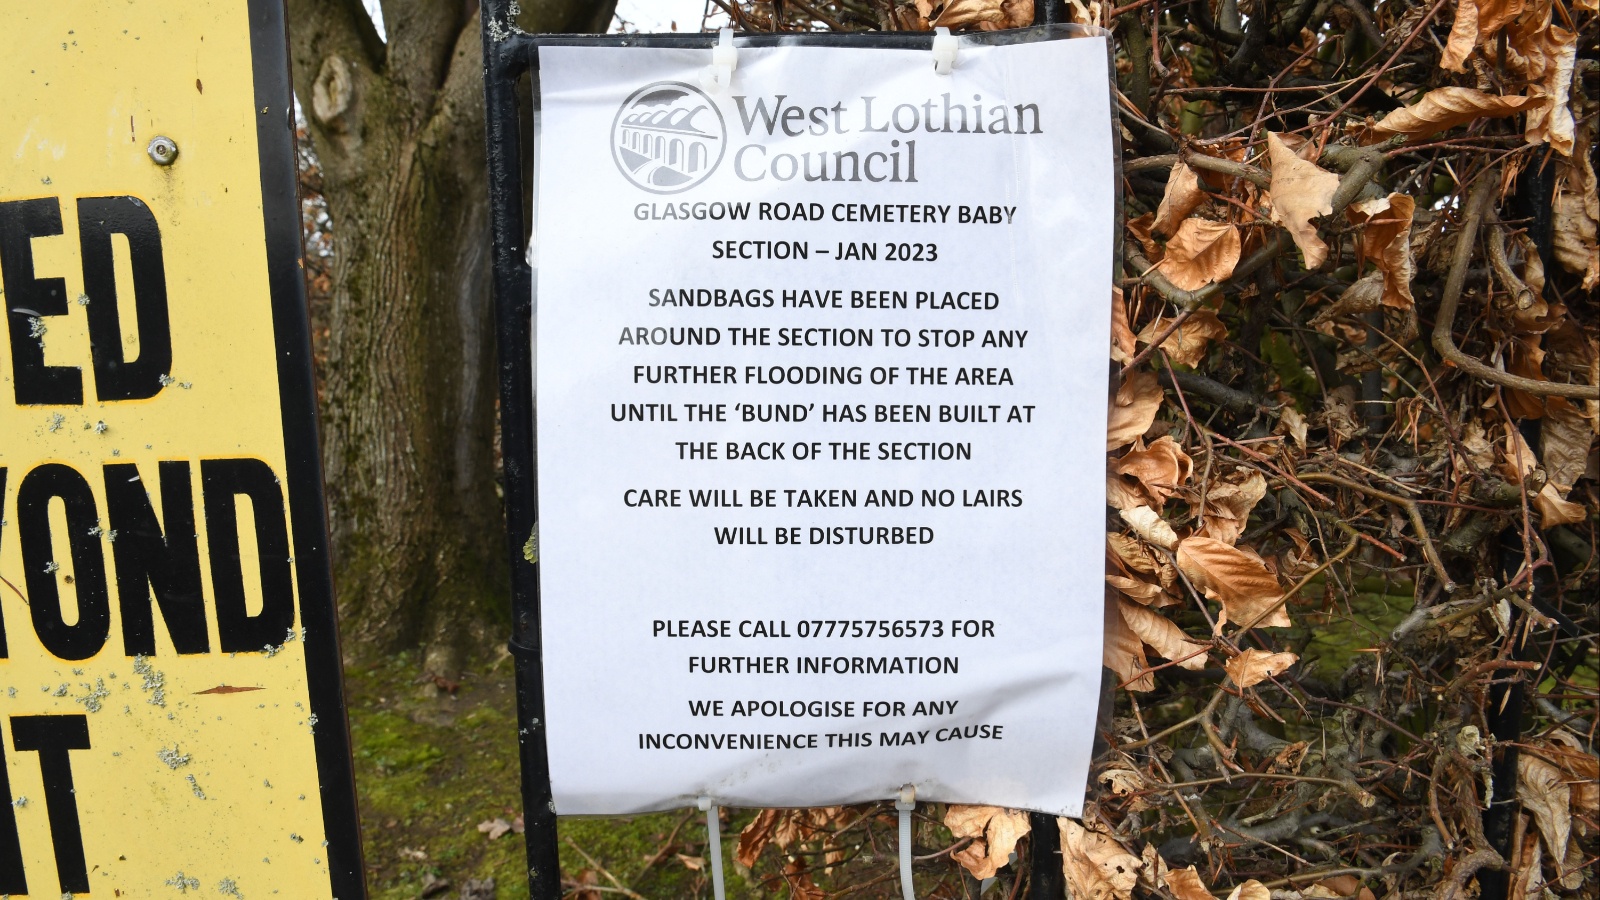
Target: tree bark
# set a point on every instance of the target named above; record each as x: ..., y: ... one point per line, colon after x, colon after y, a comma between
x: 408, y: 417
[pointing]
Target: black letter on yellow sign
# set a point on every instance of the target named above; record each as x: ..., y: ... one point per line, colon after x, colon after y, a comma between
x: 12, y: 881
x: 2, y: 631
x: 52, y: 737
x: 221, y: 480
x: 115, y: 378
x: 43, y: 484
x: 152, y: 559
x: 37, y: 299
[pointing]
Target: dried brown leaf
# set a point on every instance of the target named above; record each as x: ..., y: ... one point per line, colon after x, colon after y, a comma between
x: 1157, y: 470
x: 1096, y: 866
x: 1163, y: 636
x: 966, y: 13
x: 1148, y: 524
x: 1553, y: 508
x: 1236, y: 578
x: 1188, y: 344
x: 1446, y: 107
x: 1301, y: 191
x: 1122, y: 493
x: 994, y: 832
x: 1292, y: 423
x: 1013, y: 14
x: 1123, y: 652
x: 1135, y: 589
x: 1140, y: 228
x: 1476, y: 22
x: 1565, y: 438
x: 1250, y: 890
x: 1548, y: 53
x: 1251, y: 667
x: 1123, y: 345
x: 1182, y: 195
x: 1133, y: 409
x: 1544, y: 794
x: 1185, y: 884
x: 1200, y: 253
x: 1576, y: 231
x: 798, y: 874
x: 1386, y: 241
x: 1579, y: 768
x: 1229, y: 502
x: 755, y: 836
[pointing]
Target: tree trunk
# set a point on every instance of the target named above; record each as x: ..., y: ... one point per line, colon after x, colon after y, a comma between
x: 408, y: 413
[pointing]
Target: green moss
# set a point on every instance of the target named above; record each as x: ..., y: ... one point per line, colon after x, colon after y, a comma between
x: 429, y: 767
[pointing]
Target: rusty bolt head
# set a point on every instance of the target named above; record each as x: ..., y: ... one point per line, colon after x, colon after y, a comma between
x: 163, y: 150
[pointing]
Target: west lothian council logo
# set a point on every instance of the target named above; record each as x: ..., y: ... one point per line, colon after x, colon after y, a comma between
x: 668, y: 137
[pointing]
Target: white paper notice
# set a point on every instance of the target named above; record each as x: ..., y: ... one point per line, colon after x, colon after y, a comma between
x: 821, y: 388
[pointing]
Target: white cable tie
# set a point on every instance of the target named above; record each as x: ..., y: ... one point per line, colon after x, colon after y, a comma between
x: 944, y: 51
x: 724, y: 59
x: 906, y: 802
x: 714, y: 838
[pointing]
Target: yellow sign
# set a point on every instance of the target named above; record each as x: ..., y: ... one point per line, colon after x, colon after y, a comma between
x: 171, y: 717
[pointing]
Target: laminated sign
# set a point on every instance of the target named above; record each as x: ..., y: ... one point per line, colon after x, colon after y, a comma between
x: 821, y: 377
x: 171, y: 718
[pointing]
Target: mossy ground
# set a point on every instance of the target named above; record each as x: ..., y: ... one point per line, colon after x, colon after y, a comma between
x: 430, y: 765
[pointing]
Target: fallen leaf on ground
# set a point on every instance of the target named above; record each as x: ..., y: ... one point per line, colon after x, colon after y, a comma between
x: 587, y: 880
x: 1386, y: 241
x: 1182, y: 195
x: 1301, y: 191
x: 1446, y: 107
x: 1133, y: 409
x: 1236, y: 578
x: 1187, y: 345
x: 1200, y: 253
x: 1251, y: 667
x: 495, y: 828
x: 1096, y: 866
x: 994, y: 832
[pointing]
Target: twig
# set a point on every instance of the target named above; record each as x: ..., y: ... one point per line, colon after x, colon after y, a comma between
x: 621, y: 888
x: 1444, y: 340
x: 1412, y: 510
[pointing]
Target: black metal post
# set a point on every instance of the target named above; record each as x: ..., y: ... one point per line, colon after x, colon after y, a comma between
x: 1507, y: 694
x: 504, y: 62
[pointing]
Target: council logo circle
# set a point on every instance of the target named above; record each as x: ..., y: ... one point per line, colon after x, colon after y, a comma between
x: 668, y: 137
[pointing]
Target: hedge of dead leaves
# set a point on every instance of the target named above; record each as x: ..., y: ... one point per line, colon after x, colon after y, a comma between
x: 1351, y: 469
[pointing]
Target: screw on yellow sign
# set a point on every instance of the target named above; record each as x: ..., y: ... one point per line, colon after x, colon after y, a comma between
x: 171, y: 718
